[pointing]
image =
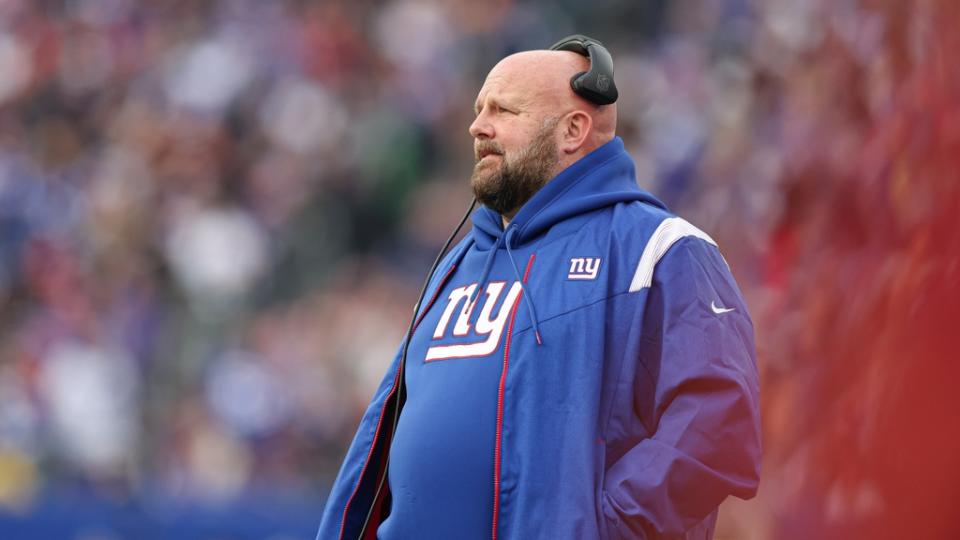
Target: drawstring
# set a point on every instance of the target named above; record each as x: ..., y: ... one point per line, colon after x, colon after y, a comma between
x: 528, y: 300
x: 486, y: 270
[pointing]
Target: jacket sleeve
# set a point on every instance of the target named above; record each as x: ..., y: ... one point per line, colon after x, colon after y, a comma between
x: 696, y: 393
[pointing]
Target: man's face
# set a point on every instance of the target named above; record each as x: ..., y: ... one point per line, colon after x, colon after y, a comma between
x: 505, y: 181
x: 514, y: 145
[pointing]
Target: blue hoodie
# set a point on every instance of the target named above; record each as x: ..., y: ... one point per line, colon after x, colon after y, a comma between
x: 589, y: 372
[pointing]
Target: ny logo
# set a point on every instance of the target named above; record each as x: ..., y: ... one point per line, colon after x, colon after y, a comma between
x: 584, y: 268
x: 489, y: 326
x: 603, y: 82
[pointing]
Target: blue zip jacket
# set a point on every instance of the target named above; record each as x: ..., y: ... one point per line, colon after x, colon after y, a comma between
x: 627, y: 400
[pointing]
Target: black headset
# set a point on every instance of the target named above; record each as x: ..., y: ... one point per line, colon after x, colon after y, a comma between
x: 596, y: 85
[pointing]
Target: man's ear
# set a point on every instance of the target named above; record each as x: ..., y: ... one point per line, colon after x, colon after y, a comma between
x: 577, y: 126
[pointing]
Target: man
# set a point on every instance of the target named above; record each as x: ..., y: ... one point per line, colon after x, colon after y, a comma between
x: 621, y: 401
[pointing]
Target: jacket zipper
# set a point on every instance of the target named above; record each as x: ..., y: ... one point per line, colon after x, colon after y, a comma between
x: 497, y: 453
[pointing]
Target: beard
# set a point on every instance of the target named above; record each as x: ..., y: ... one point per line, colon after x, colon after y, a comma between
x: 511, y: 185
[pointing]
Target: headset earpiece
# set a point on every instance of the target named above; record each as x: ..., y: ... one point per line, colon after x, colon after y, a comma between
x: 596, y: 85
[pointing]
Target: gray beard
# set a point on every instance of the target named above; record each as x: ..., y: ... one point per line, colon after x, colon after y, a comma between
x: 509, y: 187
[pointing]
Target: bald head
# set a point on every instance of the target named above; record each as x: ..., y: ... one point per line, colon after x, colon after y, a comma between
x: 544, y: 75
x: 542, y: 79
x: 531, y: 125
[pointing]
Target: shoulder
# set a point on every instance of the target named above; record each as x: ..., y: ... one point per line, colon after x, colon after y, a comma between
x: 644, y: 235
x: 669, y: 232
x: 630, y: 237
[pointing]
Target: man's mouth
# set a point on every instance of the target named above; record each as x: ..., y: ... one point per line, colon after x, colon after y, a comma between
x: 486, y: 152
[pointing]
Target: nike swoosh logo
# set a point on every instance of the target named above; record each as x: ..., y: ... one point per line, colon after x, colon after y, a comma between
x: 719, y: 310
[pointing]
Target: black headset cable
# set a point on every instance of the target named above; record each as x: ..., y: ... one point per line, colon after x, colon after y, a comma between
x: 400, y: 398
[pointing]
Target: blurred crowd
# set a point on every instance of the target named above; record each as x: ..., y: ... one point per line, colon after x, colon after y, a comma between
x: 215, y: 217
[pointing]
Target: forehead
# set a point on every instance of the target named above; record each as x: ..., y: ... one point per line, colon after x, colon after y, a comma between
x: 508, y: 83
x: 502, y: 92
x: 540, y: 77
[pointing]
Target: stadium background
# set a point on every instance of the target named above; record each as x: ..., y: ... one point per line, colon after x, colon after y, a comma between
x: 215, y: 216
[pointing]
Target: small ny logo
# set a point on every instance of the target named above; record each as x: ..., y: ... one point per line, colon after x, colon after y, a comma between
x: 584, y: 268
x: 603, y: 82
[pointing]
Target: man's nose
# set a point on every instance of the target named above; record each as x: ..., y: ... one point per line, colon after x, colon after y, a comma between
x: 481, y: 128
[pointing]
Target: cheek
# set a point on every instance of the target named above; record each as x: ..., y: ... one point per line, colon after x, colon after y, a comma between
x: 517, y: 143
x: 515, y: 135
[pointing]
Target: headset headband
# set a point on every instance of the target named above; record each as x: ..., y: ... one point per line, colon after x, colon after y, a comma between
x: 596, y: 85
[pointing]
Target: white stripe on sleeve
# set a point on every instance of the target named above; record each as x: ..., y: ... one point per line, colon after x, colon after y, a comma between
x: 668, y: 233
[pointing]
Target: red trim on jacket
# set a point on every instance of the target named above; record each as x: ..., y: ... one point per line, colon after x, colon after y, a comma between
x: 497, y: 453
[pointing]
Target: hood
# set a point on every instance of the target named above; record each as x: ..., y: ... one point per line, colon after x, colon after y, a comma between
x: 602, y: 178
